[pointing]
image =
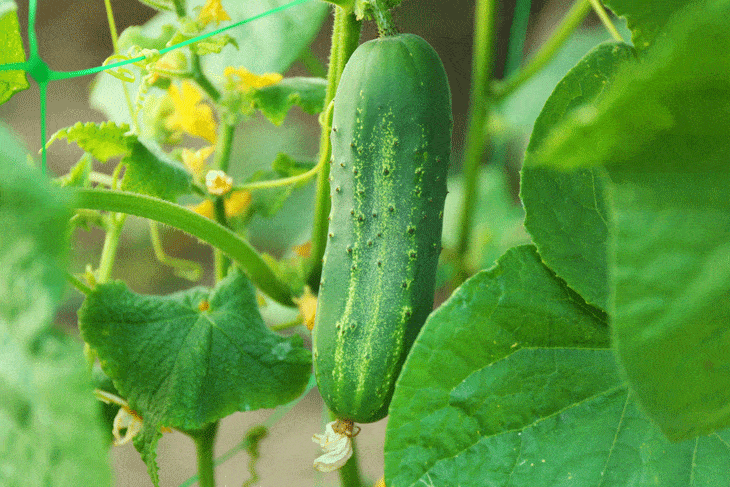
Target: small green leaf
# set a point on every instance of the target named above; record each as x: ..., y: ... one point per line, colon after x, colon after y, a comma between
x: 566, y: 212
x: 276, y: 100
x: 104, y: 141
x: 135, y: 36
x: 12, y: 51
x: 78, y: 176
x: 150, y: 171
x: 193, y: 357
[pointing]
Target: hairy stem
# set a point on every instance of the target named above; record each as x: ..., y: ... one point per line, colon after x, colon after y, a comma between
x: 109, y: 251
x: 480, y: 106
x: 196, y: 225
x: 386, y: 26
x: 345, y: 38
x: 204, y: 442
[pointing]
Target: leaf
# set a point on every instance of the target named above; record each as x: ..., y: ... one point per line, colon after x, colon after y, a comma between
x: 509, y: 383
x: 275, y: 101
x: 566, y: 212
x: 193, y: 357
x: 674, y: 94
x: 149, y: 170
x: 670, y: 228
x: 12, y: 51
x: 647, y: 18
x: 49, y: 426
x: 135, y: 36
x: 266, y: 45
x: 104, y: 141
x: 33, y: 216
x: 522, y: 107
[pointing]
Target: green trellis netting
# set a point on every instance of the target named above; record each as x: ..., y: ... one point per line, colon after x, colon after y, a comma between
x: 42, y: 74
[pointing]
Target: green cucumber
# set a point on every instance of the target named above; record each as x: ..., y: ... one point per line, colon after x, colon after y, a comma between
x: 391, y: 143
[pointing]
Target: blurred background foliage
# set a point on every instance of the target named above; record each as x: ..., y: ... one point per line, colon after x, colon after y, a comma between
x: 73, y: 34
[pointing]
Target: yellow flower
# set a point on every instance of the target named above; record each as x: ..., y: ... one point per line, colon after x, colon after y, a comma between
x: 235, y: 204
x: 195, y: 160
x: 212, y: 11
x: 218, y: 182
x: 126, y: 419
x: 190, y: 115
x: 307, y: 304
x: 303, y: 250
x: 243, y: 80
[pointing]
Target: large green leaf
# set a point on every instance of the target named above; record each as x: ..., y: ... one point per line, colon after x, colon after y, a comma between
x: 50, y: 430
x: 193, y: 357
x: 12, y: 51
x: 565, y: 212
x: 269, y: 44
x: 673, y: 98
x: 662, y: 131
x: 646, y: 18
x: 510, y: 383
x: 149, y: 170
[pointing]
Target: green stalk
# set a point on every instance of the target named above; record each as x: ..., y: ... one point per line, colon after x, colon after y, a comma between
x: 222, y: 263
x: 350, y: 475
x: 480, y: 106
x: 196, y: 225
x: 383, y: 19
x: 109, y: 251
x: 345, y: 38
x: 570, y: 22
x: 204, y: 442
x: 222, y: 161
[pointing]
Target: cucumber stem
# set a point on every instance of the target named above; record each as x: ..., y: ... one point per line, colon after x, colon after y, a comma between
x: 345, y: 38
x: 383, y: 18
x: 479, y: 109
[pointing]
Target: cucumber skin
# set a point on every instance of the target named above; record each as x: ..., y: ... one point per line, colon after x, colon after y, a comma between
x: 391, y: 143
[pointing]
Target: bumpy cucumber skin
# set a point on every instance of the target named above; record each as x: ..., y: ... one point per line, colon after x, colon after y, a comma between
x: 391, y: 143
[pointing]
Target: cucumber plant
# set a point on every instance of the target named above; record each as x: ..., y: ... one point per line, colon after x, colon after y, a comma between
x: 594, y: 351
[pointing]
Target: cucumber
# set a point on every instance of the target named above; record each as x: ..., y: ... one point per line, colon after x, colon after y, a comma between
x: 391, y: 142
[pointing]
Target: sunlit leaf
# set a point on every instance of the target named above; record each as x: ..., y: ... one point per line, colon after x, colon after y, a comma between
x: 12, y: 51
x: 149, y: 170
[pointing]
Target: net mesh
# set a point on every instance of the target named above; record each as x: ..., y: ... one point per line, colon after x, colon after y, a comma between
x: 42, y: 74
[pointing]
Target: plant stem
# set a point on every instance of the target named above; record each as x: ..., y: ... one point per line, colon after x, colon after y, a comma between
x: 570, y: 22
x: 222, y: 263
x: 383, y: 19
x: 350, y: 475
x: 198, y: 226
x: 225, y: 146
x: 480, y: 106
x: 345, y: 38
x: 109, y: 251
x: 204, y: 442
x: 78, y: 284
x: 601, y: 12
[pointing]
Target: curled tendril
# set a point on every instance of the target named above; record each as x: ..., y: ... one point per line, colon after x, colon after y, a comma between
x: 121, y: 73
